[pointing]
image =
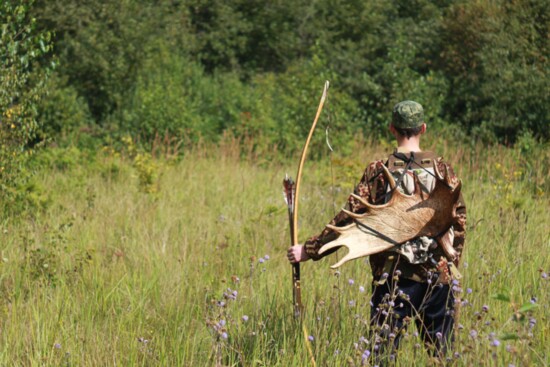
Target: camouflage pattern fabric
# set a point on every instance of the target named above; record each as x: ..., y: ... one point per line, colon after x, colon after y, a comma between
x: 407, y: 115
x: 374, y: 188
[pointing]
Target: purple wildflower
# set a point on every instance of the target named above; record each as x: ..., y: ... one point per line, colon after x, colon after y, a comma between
x: 351, y: 281
x: 365, y: 356
x: 262, y: 260
x: 266, y: 257
x: 485, y: 308
x: 224, y: 335
x: 244, y: 318
x: 57, y: 346
x: 468, y: 290
x: 495, y: 343
x: 361, y: 289
x: 438, y: 335
x: 544, y: 275
x: 473, y: 333
x: 311, y: 338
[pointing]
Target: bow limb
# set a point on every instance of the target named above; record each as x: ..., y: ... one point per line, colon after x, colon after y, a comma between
x: 297, y: 291
x: 302, y: 160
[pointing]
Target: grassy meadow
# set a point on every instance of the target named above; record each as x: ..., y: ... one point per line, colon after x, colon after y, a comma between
x: 134, y: 261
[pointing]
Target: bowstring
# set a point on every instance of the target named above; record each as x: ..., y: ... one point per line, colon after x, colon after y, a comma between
x: 332, y: 189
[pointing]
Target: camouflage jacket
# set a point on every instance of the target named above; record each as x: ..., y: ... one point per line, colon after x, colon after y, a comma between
x: 374, y: 188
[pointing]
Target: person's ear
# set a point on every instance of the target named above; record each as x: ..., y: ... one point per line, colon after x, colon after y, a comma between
x: 392, y: 129
x: 423, y: 128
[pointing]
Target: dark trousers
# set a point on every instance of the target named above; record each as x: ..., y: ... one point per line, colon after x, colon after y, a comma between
x: 396, y: 303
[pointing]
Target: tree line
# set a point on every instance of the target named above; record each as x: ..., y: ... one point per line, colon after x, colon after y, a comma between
x: 87, y: 72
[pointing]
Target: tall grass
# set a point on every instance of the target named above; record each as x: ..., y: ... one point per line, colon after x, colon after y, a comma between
x: 194, y: 272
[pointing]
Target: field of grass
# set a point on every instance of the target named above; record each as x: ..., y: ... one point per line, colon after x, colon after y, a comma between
x: 183, y: 263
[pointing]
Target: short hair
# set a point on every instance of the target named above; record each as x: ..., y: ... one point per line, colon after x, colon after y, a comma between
x: 408, y: 132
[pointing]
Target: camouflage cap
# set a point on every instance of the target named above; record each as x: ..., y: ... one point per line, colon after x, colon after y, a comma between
x: 407, y: 114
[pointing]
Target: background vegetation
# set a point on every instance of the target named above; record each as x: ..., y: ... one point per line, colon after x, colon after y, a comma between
x: 142, y: 145
x: 183, y: 264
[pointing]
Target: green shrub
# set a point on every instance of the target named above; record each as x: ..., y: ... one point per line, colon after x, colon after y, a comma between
x: 62, y: 111
x: 21, y: 87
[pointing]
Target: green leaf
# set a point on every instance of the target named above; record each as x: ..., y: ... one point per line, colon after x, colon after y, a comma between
x: 528, y: 307
x: 501, y: 297
x: 509, y: 336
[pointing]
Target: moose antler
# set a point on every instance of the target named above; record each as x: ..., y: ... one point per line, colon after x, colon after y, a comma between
x: 401, y: 219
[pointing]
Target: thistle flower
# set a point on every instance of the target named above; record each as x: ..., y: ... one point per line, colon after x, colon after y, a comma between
x: 365, y: 356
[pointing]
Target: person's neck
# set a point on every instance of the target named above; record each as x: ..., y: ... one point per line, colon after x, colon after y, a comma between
x: 410, y: 145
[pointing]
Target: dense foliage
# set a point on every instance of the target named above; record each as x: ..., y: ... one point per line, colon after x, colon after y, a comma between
x: 177, y: 72
x: 22, y: 78
x: 199, y: 68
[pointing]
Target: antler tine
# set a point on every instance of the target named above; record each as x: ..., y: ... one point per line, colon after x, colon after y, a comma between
x: 446, y: 242
x: 352, y: 214
x: 436, y: 170
x: 458, y: 186
x: 362, y: 201
x: 345, y: 259
x: 389, y: 177
x: 447, y: 175
x: 417, y: 185
x: 337, y: 229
